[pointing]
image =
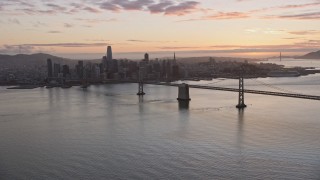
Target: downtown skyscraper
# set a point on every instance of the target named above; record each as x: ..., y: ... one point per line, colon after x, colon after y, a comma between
x: 109, y: 53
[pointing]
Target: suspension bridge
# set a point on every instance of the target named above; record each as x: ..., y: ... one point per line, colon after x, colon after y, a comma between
x: 241, y: 90
x: 272, y: 93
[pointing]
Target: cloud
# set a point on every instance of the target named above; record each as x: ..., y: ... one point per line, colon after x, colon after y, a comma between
x: 14, y: 21
x: 54, y: 32
x: 221, y: 16
x: 31, y: 48
x: 292, y: 38
x: 27, y: 4
x: 77, y: 7
x: 97, y: 40
x: 8, y: 49
x: 302, y: 16
x: 307, y: 32
x: 145, y: 41
x: 295, y: 16
x: 228, y: 15
x: 91, y: 9
x: 309, y: 44
x: 96, y: 21
x: 5, y: 4
x: 132, y: 5
x: 67, y: 25
x: 110, y: 6
x: 294, y: 6
x: 178, y: 47
x: 68, y: 45
x: 182, y: 8
x: 283, y: 7
x: 160, y: 7
x: 45, y: 7
x: 31, y: 11
x: 167, y: 7
x: 39, y: 24
x: 136, y: 40
x: 56, y: 7
x: 302, y: 46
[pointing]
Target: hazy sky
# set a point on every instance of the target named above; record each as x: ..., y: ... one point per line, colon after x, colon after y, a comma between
x: 245, y: 27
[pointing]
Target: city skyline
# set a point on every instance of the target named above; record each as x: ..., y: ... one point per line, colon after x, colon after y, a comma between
x: 245, y: 28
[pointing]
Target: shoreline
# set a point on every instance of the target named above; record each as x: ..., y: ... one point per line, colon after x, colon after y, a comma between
x: 34, y: 86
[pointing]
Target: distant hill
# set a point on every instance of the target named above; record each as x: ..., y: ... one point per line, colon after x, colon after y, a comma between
x: 32, y: 59
x: 190, y: 60
x: 312, y: 55
x: 40, y: 59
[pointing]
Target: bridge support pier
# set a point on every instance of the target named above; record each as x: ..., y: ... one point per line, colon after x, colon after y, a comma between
x: 140, y: 90
x: 241, y: 104
x: 183, y: 94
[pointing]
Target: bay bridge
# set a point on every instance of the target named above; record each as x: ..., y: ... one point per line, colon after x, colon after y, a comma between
x: 272, y: 93
x: 184, y: 91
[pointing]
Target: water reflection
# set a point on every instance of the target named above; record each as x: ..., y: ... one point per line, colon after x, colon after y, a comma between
x: 184, y: 116
x: 240, y: 125
x: 50, y: 99
x: 239, y: 144
x: 140, y: 104
x: 101, y: 129
x: 140, y: 99
x: 240, y: 130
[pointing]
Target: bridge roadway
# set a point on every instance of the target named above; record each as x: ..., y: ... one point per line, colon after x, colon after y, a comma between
x: 271, y: 93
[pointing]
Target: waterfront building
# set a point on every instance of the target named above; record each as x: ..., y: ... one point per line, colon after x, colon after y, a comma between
x: 56, y: 69
x: 65, y: 70
x: 49, y: 66
x: 79, y: 68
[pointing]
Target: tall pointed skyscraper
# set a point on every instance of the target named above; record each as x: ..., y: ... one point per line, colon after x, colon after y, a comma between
x: 146, y: 57
x: 109, y: 53
x: 174, y: 58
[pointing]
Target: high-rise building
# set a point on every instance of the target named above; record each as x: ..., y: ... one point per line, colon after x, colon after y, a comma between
x: 175, y: 71
x: 174, y: 58
x: 146, y: 57
x: 65, y: 70
x: 80, y: 69
x: 104, y: 62
x: 109, y: 53
x: 56, y: 69
x: 49, y: 65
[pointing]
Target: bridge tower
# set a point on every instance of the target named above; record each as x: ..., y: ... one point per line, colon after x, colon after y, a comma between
x: 183, y: 93
x: 140, y: 91
x: 241, y: 104
x: 140, y: 88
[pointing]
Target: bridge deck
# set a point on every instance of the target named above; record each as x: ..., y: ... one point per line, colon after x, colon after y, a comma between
x: 271, y: 93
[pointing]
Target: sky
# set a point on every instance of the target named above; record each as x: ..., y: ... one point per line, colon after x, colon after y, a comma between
x: 244, y: 28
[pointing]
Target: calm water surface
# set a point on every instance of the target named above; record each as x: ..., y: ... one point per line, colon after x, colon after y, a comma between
x: 291, y: 62
x: 107, y: 132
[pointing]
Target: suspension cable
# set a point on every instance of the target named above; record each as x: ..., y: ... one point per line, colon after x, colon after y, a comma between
x: 275, y: 87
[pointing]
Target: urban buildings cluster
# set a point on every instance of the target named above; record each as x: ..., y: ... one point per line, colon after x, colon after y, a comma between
x: 32, y: 69
x: 13, y: 73
x: 110, y: 69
